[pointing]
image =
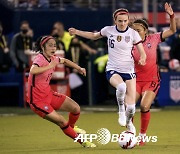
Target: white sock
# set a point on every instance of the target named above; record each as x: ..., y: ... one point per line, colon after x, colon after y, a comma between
x: 120, y: 95
x: 130, y: 111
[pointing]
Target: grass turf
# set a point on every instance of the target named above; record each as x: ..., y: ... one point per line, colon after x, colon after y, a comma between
x: 31, y: 134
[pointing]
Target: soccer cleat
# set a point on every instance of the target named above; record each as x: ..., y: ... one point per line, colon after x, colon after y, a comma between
x: 79, y: 130
x: 131, y: 128
x: 88, y: 144
x: 122, y: 119
x: 141, y: 142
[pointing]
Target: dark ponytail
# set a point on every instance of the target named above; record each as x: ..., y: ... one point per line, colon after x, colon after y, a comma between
x: 37, y: 45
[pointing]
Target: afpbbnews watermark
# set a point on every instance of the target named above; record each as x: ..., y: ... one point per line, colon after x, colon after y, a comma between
x: 103, y: 136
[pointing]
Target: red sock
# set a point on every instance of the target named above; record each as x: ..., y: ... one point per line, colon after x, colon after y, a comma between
x: 73, y: 118
x: 145, y: 117
x: 69, y: 131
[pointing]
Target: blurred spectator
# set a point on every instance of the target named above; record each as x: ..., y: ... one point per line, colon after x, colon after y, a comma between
x: 66, y: 38
x: 100, y: 45
x: 62, y: 35
x: 174, y: 43
x: 80, y: 57
x: 60, y: 44
x: 21, y: 46
x: 32, y: 4
x: 43, y: 4
x: 21, y: 3
x: 104, y: 3
x: 5, y: 61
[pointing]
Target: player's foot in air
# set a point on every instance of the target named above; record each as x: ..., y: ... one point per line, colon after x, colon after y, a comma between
x: 79, y: 130
x: 122, y: 119
x: 88, y: 144
x: 141, y: 138
x: 131, y: 127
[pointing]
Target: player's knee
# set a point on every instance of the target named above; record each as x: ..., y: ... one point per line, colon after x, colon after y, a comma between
x: 121, y: 89
x: 144, y: 108
x: 76, y: 109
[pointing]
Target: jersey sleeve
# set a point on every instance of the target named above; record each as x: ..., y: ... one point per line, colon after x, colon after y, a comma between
x: 137, y: 38
x: 157, y: 37
x: 38, y: 61
x: 103, y: 31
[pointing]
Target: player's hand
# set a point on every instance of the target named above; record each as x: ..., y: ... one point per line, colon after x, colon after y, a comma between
x: 168, y: 8
x: 82, y: 71
x: 72, y: 31
x: 142, y: 60
x: 92, y: 51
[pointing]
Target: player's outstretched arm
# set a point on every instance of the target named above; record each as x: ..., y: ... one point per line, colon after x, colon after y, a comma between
x: 85, y: 34
x: 142, y: 60
x: 73, y: 65
x: 37, y: 70
x: 172, y: 28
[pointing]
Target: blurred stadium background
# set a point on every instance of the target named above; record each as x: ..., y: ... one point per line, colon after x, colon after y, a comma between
x: 95, y: 94
x: 90, y: 15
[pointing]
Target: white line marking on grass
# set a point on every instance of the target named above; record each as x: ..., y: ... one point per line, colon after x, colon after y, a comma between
x: 105, y: 109
x: 7, y: 115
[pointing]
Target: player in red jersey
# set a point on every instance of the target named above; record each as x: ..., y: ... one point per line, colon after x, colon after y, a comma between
x: 148, y: 80
x: 42, y: 100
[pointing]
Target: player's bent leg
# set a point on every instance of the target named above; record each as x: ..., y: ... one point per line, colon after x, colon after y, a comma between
x: 130, y: 104
x: 56, y: 118
x: 117, y: 82
x: 131, y: 91
x: 74, y: 112
x: 146, y: 101
x: 130, y: 111
x: 66, y: 128
x: 62, y: 123
x: 70, y: 105
x: 120, y: 95
x: 137, y: 97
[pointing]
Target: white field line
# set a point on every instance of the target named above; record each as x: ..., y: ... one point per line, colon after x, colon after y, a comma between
x: 85, y: 110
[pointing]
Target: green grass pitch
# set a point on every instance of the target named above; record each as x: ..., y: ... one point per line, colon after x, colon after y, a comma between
x: 31, y: 134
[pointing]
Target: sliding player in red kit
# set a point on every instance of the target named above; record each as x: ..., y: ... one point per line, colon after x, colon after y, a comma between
x: 148, y: 80
x: 42, y: 100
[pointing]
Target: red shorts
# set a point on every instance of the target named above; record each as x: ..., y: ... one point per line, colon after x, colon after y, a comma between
x: 142, y: 86
x: 50, y: 103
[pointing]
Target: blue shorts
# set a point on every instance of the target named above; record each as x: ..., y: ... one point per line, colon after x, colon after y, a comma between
x: 124, y: 76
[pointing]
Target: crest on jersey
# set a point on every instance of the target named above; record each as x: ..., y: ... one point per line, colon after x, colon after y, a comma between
x: 119, y: 38
x: 149, y: 45
x: 46, y: 108
x: 175, y: 88
x: 127, y: 39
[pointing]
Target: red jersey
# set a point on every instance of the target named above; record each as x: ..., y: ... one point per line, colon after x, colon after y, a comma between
x: 38, y: 85
x: 148, y: 72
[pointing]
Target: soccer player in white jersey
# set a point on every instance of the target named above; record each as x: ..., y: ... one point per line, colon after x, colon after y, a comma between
x: 120, y: 66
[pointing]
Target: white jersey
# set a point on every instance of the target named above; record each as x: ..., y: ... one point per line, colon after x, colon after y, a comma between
x: 120, y: 45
